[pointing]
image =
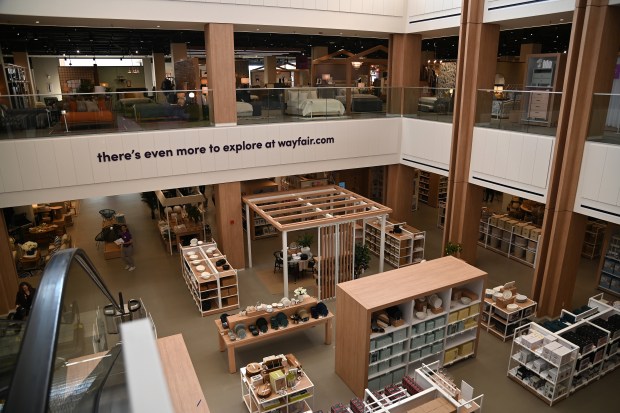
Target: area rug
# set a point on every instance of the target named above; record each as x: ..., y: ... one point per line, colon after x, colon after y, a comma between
x: 273, y: 282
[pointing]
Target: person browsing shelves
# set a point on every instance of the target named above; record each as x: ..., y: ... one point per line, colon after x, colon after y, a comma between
x: 127, y: 248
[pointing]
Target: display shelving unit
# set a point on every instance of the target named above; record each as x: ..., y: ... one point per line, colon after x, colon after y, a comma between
x: 432, y: 389
x: 502, y: 322
x: 543, y: 373
x: 587, y: 361
x: 442, y: 190
x: 385, y: 357
x: 593, y: 241
x: 432, y: 189
x: 18, y: 86
x: 416, y: 190
x: 219, y: 292
x: 441, y: 214
x: 259, y: 227
x: 516, y: 239
x: 291, y: 400
x: 609, y: 278
x: 401, y: 249
x: 176, y: 225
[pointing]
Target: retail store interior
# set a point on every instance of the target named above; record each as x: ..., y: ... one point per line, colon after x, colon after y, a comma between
x: 158, y: 282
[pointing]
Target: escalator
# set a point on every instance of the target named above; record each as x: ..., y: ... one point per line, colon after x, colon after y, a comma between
x: 67, y: 356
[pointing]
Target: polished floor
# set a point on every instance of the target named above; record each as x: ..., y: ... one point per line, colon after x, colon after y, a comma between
x: 157, y: 280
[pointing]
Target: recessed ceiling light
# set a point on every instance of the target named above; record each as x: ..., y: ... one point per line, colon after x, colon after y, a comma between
x: 37, y: 22
x: 561, y: 20
x: 158, y: 25
x: 257, y: 29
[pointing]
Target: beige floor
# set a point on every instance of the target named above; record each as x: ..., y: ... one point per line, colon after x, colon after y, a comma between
x: 157, y: 280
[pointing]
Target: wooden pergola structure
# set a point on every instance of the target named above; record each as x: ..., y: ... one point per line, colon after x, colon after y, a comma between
x: 333, y: 211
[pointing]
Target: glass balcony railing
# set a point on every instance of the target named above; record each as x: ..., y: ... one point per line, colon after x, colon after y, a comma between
x: 531, y: 111
x: 436, y: 104
x: 605, y: 119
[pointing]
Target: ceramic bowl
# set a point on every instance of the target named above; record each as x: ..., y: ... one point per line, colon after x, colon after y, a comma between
x: 520, y: 298
x: 512, y: 307
x: 205, y: 275
x: 200, y: 242
x: 216, y: 254
x: 497, y: 295
x: 269, y: 308
x: 190, y: 253
x: 195, y: 262
x: 488, y: 293
x: 421, y: 315
x: 193, y: 257
x: 200, y: 268
x: 465, y: 300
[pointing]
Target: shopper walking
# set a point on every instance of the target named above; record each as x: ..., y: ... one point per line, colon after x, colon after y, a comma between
x: 127, y: 248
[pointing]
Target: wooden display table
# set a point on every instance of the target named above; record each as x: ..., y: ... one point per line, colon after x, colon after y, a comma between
x: 230, y: 346
x: 111, y: 250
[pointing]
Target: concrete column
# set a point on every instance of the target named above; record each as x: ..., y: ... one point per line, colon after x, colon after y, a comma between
x: 228, y: 222
x: 476, y: 70
x: 220, y: 49
x: 594, y: 44
x: 8, y: 273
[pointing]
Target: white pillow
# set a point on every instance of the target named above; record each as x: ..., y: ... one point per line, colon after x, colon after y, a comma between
x: 301, y: 96
x: 312, y: 94
x: 91, y: 106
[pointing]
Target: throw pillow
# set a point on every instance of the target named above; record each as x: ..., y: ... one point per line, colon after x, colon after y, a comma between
x: 81, y: 106
x: 73, y: 106
x: 312, y: 94
x: 302, y: 96
x: 91, y: 106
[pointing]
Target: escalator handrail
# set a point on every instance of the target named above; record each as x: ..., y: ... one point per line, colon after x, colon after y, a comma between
x: 34, y: 369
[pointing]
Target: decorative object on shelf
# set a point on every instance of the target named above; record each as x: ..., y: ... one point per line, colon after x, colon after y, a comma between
x: 453, y: 248
x: 193, y: 213
x: 305, y: 241
x: 30, y: 247
x: 362, y: 258
x: 300, y: 293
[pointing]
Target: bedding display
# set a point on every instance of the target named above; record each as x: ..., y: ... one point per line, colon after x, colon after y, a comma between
x: 305, y: 102
x: 433, y: 104
x: 244, y: 109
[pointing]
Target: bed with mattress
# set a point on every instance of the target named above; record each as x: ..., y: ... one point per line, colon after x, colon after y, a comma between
x: 244, y: 109
x: 305, y: 102
x: 361, y: 102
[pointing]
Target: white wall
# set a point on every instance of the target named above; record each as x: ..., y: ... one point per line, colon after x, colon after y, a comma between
x: 43, y: 67
x: 384, y: 16
x: 54, y: 169
x: 513, y: 162
x: 426, y: 145
x: 428, y: 15
x: 498, y: 10
x: 598, y: 193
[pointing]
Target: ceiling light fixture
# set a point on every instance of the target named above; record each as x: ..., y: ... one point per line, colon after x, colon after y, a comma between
x: 356, y: 65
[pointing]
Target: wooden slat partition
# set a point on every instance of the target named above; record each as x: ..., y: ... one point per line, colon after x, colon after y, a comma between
x: 329, y: 256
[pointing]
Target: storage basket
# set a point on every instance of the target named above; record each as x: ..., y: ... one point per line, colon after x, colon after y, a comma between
x: 502, y: 302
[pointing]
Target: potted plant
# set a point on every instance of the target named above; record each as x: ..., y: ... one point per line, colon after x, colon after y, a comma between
x: 305, y: 241
x: 151, y: 200
x: 30, y: 247
x: 453, y: 248
x: 193, y: 213
x: 362, y: 259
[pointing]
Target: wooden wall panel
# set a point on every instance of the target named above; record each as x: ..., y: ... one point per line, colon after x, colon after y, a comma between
x: 219, y: 42
x: 400, y: 191
x: 228, y: 221
x: 8, y: 273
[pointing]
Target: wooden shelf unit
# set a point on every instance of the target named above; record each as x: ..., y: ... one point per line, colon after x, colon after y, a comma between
x: 218, y: 293
x: 416, y: 190
x: 432, y: 188
x: 401, y: 249
x: 259, y: 227
x: 502, y: 322
x: 516, y: 239
x: 297, y: 399
x: 359, y: 299
x: 593, y: 241
x: 609, y: 273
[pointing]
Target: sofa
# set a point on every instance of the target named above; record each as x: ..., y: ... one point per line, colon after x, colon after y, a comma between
x: 79, y: 112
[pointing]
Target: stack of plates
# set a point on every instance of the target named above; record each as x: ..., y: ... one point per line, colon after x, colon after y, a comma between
x: 520, y: 298
x: 488, y: 293
x: 200, y: 268
x: 512, y: 307
x: 196, y: 262
x: 193, y: 257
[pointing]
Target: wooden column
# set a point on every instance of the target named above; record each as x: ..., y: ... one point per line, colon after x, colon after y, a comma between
x: 8, y: 273
x: 220, y: 48
x: 178, y: 51
x: 399, y: 191
x: 270, y: 75
x: 477, y: 60
x: 594, y: 44
x: 315, y: 53
x: 159, y: 63
x: 228, y: 222
x: 404, y: 62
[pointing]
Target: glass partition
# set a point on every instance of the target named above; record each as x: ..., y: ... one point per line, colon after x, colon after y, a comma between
x: 531, y: 111
x: 605, y: 119
x: 436, y: 104
x: 108, y: 112
x: 69, y: 359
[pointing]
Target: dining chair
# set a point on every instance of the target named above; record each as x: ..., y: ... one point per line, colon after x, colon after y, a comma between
x: 277, y: 265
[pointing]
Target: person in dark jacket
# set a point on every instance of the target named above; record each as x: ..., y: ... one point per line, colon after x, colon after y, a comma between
x: 23, y: 300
